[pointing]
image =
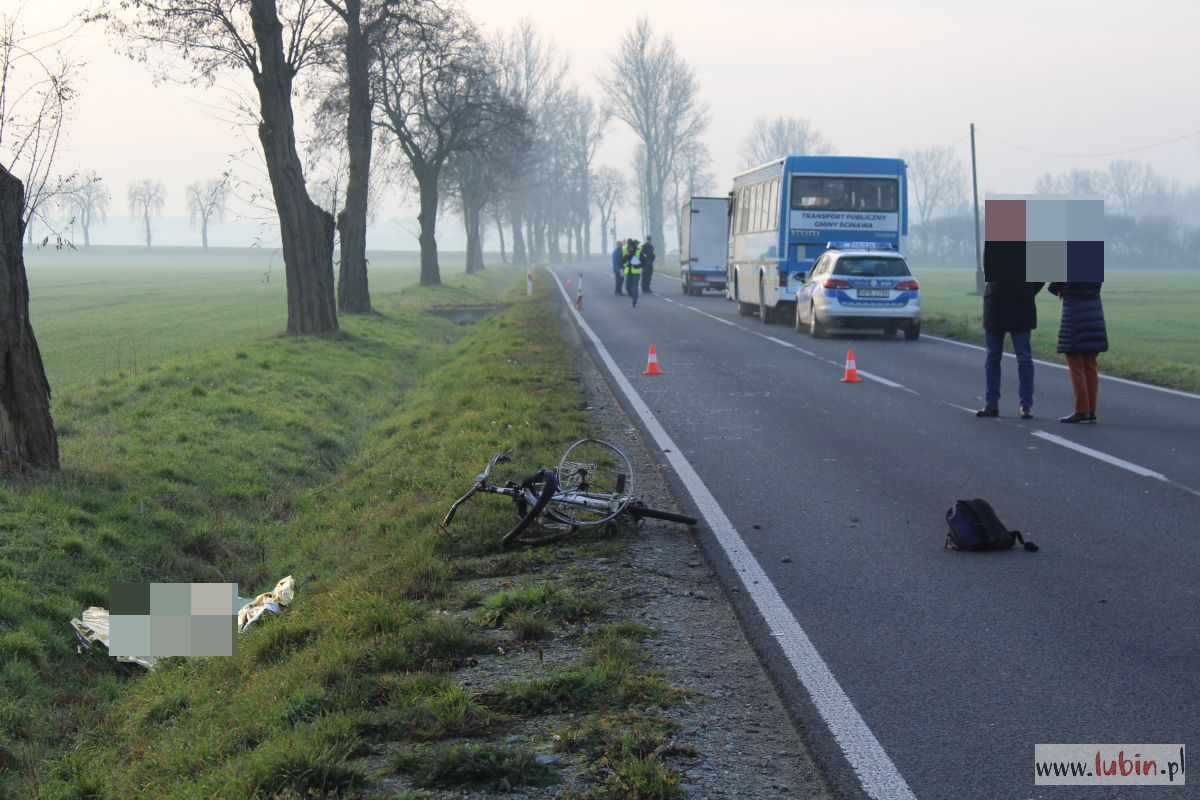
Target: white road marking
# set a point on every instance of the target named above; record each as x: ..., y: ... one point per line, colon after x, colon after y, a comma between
x: 1097, y: 454
x: 961, y: 408
x: 884, y: 381
x: 1113, y: 378
x: 878, y: 775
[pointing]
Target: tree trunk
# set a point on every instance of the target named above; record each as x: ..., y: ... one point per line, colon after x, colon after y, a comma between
x: 586, y: 208
x: 471, y: 214
x: 27, y: 437
x: 500, y: 230
x: 204, y: 231
x: 353, y: 296
x: 520, y: 256
x: 87, y: 242
x: 427, y: 180
x: 146, y: 217
x: 305, y: 229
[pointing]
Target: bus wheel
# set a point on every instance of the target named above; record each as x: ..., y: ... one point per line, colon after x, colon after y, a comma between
x: 765, y: 312
x: 744, y: 309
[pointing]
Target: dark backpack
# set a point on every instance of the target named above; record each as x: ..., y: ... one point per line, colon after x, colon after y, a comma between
x: 975, y: 526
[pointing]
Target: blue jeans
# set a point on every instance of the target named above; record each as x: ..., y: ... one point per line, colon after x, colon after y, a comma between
x: 994, y: 344
x: 631, y: 286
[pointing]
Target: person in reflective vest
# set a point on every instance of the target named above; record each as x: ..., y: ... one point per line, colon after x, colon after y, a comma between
x: 633, y: 269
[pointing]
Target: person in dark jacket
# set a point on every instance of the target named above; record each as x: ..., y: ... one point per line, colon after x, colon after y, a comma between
x: 1008, y: 308
x: 647, y: 256
x: 618, y: 265
x: 1081, y: 336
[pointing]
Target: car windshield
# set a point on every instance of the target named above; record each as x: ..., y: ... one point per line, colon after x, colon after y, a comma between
x: 868, y: 267
x: 845, y: 194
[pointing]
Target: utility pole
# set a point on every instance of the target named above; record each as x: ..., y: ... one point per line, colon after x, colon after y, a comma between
x: 975, y: 192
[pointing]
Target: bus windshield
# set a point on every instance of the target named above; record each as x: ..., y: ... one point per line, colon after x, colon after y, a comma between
x: 845, y: 194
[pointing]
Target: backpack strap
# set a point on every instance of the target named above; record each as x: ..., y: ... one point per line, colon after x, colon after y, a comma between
x: 1030, y: 547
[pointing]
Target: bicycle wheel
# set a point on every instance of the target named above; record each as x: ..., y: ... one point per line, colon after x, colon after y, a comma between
x: 595, y: 482
x: 638, y: 510
x: 534, y: 494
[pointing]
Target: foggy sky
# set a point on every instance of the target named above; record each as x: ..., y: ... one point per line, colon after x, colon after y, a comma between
x: 1071, y: 77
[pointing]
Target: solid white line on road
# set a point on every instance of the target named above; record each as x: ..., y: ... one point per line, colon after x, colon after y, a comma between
x: 1105, y: 457
x: 878, y: 775
x: 961, y: 408
x: 1113, y: 378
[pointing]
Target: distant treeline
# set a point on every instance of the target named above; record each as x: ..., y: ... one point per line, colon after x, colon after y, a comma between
x: 1150, y: 241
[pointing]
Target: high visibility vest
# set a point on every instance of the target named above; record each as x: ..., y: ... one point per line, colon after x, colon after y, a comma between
x: 630, y: 267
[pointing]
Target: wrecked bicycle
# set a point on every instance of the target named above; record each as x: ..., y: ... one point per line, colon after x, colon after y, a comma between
x: 591, y: 486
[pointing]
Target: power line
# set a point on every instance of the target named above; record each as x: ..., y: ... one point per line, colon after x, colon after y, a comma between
x: 1090, y: 155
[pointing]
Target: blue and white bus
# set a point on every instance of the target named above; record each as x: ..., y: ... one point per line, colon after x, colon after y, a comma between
x: 783, y: 215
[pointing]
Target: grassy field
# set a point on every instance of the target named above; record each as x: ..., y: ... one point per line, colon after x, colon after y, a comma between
x: 109, y: 309
x: 329, y: 459
x: 1151, y: 316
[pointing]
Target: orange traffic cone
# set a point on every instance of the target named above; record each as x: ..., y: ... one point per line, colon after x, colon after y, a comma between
x: 652, y: 363
x: 851, y: 370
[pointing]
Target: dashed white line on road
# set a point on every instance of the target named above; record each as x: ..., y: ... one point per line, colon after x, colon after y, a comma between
x: 1101, y: 456
x: 871, y: 764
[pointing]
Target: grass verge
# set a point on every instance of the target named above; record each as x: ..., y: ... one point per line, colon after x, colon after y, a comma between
x: 331, y: 460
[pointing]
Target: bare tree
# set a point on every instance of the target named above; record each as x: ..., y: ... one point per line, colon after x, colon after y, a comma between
x: 433, y: 94
x: 35, y: 96
x: 532, y: 75
x: 608, y: 189
x: 37, y: 90
x: 363, y: 20
x: 85, y: 200
x: 690, y: 177
x: 273, y: 41
x: 480, y: 175
x: 1132, y: 185
x: 583, y: 128
x: 206, y: 202
x: 146, y: 199
x: 654, y: 91
x: 937, y: 178
x: 783, y: 136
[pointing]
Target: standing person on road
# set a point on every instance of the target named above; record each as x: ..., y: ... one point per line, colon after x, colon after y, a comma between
x: 618, y: 265
x: 1008, y: 308
x: 1082, y: 335
x: 633, y: 269
x: 647, y: 256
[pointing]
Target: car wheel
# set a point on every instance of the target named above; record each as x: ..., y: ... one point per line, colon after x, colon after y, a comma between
x: 890, y: 329
x: 912, y: 332
x: 815, y: 328
x: 799, y: 322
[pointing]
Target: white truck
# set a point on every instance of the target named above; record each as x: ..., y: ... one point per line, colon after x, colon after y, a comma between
x: 703, y: 255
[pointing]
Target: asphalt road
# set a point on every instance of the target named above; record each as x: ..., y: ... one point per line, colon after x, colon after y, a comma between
x: 958, y: 663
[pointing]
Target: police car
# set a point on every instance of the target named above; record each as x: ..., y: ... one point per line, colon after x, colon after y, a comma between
x: 859, y: 285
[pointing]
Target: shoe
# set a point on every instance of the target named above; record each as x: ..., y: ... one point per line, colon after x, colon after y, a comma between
x: 988, y: 411
x: 1026, y: 412
x: 1074, y: 418
x: 1091, y: 417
